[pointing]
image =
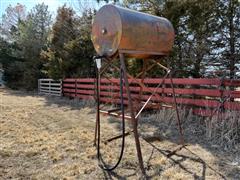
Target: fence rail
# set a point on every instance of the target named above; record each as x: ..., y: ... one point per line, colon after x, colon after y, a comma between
x: 205, y: 96
x: 50, y: 87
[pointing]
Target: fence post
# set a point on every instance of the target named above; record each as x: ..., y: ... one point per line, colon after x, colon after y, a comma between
x: 39, y: 86
x: 163, y: 88
x: 61, y: 87
x: 95, y: 89
x: 222, y: 98
x: 75, y: 87
x: 49, y: 87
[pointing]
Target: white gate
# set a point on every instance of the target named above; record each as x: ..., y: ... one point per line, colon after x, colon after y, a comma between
x: 50, y: 87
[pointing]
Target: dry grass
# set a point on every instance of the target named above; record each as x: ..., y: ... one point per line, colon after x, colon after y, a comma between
x: 219, y: 130
x: 224, y: 131
x: 52, y: 138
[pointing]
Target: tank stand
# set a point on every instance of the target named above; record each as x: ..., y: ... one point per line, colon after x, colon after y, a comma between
x: 134, y: 117
x: 134, y: 120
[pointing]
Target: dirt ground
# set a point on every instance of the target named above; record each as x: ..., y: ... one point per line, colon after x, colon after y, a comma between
x: 52, y: 138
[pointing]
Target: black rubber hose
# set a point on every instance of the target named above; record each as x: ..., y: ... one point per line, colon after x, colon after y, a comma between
x: 101, y: 162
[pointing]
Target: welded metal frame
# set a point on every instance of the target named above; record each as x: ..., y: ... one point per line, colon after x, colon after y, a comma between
x: 134, y: 116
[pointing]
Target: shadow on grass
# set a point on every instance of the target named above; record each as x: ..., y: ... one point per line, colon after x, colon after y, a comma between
x: 168, y: 154
x: 194, y: 134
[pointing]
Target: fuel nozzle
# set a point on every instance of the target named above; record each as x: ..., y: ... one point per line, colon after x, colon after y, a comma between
x: 98, y: 61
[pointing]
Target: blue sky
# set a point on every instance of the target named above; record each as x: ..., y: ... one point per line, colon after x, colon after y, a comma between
x: 52, y: 4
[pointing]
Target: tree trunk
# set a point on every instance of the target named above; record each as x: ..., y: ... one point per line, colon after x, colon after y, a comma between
x: 231, y: 40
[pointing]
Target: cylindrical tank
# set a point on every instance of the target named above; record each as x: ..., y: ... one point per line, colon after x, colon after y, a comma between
x: 136, y: 34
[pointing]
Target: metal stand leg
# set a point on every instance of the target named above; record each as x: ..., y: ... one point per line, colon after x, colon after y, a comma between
x: 95, y: 136
x: 177, y: 112
x: 98, y: 106
x: 133, y: 119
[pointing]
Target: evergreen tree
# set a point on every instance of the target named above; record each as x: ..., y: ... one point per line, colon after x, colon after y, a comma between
x: 226, y: 38
x: 26, y: 39
x: 10, y: 21
x: 32, y: 39
x: 9, y: 49
x: 71, y: 50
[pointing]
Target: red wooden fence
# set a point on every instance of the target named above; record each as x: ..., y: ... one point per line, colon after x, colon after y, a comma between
x: 205, y: 96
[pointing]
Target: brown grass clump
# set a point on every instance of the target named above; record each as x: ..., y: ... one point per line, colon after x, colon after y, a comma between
x: 221, y: 131
x: 224, y: 130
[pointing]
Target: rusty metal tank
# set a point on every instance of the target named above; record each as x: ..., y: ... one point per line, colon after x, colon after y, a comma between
x: 136, y: 34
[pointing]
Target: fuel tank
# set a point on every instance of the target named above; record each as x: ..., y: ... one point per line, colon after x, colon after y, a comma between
x: 136, y: 34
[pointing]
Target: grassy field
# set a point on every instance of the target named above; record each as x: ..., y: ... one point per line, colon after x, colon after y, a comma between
x: 52, y: 138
